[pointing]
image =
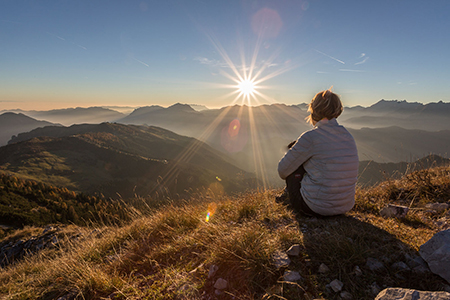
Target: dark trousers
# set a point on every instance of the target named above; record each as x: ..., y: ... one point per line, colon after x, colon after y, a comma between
x: 293, y: 185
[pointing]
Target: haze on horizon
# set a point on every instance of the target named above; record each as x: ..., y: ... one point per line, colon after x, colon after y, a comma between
x: 61, y: 54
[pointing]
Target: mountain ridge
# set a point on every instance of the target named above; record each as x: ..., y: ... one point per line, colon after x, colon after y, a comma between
x: 11, y: 124
x: 128, y: 158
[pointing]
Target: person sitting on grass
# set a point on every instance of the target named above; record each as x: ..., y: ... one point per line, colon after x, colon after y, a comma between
x: 321, y: 168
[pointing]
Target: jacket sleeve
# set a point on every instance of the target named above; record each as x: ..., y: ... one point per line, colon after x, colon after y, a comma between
x: 296, y: 156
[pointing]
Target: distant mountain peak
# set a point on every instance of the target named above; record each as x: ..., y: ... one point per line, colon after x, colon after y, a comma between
x: 145, y: 109
x: 198, y: 107
x: 181, y: 107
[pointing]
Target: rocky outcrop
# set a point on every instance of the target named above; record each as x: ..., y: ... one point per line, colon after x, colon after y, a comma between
x: 11, y: 251
x: 14, y: 249
x: 407, y: 294
x: 436, y: 252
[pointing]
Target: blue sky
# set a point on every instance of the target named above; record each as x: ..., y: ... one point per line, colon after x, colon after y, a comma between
x: 57, y: 54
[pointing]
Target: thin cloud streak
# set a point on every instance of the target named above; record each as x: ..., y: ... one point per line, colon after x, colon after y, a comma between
x: 82, y: 47
x: 361, y: 62
x: 141, y: 62
x: 63, y: 39
x: 56, y: 36
x: 329, y: 56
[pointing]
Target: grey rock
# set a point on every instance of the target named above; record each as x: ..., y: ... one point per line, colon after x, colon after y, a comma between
x: 323, y: 268
x: 374, y: 264
x: 294, y: 250
x: 291, y: 276
x: 415, y: 261
x: 336, y: 285
x: 357, y: 271
x: 408, y: 294
x: 436, y: 252
x: 221, y: 284
x: 281, y: 259
x: 212, y: 271
x: 394, y: 211
x: 15, y: 250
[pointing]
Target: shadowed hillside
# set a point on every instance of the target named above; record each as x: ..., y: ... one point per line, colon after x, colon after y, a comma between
x: 114, y: 159
x: 12, y: 124
x: 28, y: 202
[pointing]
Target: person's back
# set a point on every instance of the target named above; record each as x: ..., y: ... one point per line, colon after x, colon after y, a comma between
x: 328, y: 159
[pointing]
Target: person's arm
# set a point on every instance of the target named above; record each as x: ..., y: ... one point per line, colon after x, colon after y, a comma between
x: 296, y: 156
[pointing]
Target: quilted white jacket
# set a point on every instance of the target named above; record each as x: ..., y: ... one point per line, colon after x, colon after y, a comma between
x: 330, y: 158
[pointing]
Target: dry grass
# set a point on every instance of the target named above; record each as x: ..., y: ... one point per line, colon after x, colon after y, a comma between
x: 168, y: 253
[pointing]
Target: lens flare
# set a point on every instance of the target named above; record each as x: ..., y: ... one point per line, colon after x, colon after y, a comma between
x: 211, y: 210
x: 234, y: 137
x: 233, y: 128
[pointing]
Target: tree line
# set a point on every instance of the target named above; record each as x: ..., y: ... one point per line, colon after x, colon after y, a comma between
x: 28, y: 202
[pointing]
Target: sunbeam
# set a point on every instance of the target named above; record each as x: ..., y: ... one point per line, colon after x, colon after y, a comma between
x: 235, y: 128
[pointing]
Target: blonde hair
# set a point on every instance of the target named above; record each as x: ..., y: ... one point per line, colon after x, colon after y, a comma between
x: 325, y: 104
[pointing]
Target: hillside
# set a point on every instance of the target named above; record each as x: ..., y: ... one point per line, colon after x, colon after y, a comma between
x: 408, y: 115
x: 69, y: 116
x: 256, y: 137
x: 121, y: 160
x: 267, y: 120
x: 395, y: 144
x: 225, y: 248
x: 12, y: 124
x: 27, y: 202
x: 371, y: 173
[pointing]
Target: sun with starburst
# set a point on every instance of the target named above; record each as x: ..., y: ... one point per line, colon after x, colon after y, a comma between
x: 246, y: 88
